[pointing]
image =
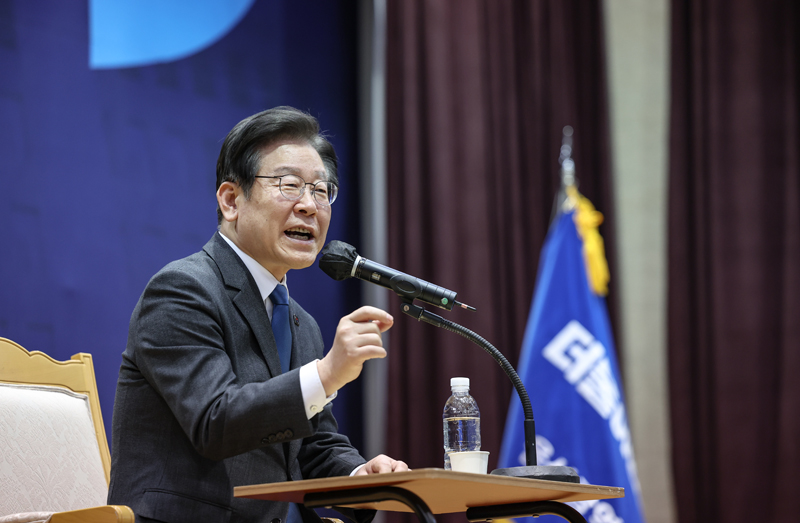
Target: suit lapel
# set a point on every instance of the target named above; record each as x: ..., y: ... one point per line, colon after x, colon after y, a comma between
x: 294, y: 326
x: 252, y: 308
x: 245, y: 296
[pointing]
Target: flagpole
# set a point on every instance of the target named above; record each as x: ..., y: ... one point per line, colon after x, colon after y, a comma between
x: 568, y: 178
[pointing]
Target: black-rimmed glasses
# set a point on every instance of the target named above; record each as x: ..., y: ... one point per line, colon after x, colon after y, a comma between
x: 292, y: 187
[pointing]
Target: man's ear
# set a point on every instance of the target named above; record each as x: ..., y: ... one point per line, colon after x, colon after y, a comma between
x: 226, y: 199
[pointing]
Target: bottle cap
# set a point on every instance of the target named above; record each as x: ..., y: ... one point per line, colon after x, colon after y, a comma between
x: 459, y: 383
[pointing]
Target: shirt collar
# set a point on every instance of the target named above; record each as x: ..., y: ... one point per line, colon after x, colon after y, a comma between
x: 264, y: 279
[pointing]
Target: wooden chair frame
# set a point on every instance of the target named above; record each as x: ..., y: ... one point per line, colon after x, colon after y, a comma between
x: 19, y: 366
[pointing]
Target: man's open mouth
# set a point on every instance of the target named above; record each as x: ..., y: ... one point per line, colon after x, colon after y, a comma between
x: 298, y: 233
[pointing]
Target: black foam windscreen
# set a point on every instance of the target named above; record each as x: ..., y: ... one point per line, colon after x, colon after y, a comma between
x: 337, y: 260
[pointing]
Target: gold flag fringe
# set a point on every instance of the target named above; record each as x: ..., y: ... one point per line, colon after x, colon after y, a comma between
x: 587, y: 220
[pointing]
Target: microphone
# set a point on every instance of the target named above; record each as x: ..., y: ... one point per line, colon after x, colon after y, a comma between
x: 341, y: 261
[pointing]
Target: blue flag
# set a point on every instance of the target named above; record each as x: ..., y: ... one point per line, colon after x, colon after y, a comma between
x: 569, y: 368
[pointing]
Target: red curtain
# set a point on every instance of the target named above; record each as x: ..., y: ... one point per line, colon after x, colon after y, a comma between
x: 734, y: 260
x: 478, y: 93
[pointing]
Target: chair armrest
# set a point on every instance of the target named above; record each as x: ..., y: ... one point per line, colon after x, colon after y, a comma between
x: 104, y: 514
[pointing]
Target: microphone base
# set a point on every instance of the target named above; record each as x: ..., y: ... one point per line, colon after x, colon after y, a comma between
x: 549, y: 473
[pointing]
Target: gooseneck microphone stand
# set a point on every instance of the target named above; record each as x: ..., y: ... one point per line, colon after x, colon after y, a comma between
x: 531, y: 469
x: 340, y: 261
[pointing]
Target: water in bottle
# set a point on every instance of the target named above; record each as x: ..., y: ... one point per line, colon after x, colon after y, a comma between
x: 461, y: 419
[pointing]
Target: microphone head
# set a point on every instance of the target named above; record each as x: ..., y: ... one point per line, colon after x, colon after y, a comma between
x: 338, y: 259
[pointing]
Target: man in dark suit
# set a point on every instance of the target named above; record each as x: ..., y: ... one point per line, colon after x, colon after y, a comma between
x: 224, y: 383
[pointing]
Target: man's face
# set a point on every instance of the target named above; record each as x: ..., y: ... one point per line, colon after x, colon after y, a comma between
x: 279, y: 233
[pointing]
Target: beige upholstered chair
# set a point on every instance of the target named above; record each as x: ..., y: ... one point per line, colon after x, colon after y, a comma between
x: 54, y: 459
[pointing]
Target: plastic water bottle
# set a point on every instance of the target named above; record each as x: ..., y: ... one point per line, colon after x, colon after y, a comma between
x: 461, y: 419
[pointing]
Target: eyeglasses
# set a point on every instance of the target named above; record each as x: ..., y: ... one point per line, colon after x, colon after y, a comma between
x: 293, y: 187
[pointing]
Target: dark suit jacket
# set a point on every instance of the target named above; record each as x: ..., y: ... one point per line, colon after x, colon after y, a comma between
x: 201, y: 405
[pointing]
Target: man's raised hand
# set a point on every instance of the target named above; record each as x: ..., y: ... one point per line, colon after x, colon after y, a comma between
x: 358, y: 339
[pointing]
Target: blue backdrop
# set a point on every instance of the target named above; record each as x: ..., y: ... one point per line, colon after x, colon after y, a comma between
x: 108, y: 174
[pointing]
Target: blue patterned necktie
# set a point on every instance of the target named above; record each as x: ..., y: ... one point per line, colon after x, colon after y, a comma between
x: 280, y: 325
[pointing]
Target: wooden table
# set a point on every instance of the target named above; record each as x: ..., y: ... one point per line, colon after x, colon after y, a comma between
x: 437, y: 491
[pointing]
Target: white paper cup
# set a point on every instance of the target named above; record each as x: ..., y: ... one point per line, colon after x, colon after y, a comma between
x: 474, y: 461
